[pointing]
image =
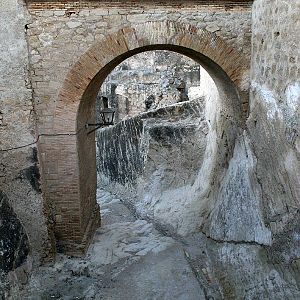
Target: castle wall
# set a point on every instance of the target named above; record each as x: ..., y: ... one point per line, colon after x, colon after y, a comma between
x: 19, y: 167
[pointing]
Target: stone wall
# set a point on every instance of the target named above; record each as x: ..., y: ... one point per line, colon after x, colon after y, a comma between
x: 159, y: 78
x: 275, y: 113
x: 58, y: 34
x: 258, y: 199
x: 212, y: 4
x: 57, y: 38
x: 19, y: 172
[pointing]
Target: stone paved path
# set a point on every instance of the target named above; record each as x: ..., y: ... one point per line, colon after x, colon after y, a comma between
x: 128, y: 259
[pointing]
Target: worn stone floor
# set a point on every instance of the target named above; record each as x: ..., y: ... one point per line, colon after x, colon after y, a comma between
x: 128, y: 259
x: 131, y: 258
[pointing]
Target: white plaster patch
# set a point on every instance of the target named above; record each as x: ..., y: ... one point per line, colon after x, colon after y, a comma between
x: 296, y: 236
x: 269, y: 100
x: 292, y: 167
x: 121, y: 90
x: 237, y: 214
x: 212, y: 28
x: 73, y: 24
x: 194, y: 92
x: 46, y: 39
x: 292, y: 93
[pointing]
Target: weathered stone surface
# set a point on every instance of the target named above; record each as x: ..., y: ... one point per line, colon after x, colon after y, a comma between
x: 19, y: 167
x: 273, y: 124
x: 121, y: 151
x: 212, y: 28
x: 244, y: 272
x: 63, y: 153
x: 237, y: 215
x: 56, y: 38
x: 14, y: 243
x: 245, y: 183
x: 66, y: 44
x: 128, y: 259
x: 137, y: 261
x: 152, y: 155
x: 73, y: 24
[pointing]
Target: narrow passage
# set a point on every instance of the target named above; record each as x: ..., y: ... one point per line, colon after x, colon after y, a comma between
x: 128, y: 259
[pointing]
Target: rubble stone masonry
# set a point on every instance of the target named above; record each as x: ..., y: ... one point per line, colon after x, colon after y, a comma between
x: 19, y: 172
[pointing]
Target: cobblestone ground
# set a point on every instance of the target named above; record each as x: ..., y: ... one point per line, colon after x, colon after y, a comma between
x: 128, y: 259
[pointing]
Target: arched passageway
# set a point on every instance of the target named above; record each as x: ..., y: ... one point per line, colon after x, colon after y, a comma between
x: 67, y: 154
x: 153, y: 157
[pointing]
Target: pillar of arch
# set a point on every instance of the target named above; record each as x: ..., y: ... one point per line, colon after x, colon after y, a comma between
x: 68, y: 153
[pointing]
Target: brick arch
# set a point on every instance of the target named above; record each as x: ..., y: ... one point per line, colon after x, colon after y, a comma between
x: 131, y: 39
x: 69, y: 183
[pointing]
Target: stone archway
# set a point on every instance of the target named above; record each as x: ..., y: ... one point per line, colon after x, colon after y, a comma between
x: 69, y: 181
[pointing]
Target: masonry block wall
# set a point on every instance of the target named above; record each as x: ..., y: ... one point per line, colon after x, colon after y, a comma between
x: 19, y: 168
x: 58, y: 37
x: 133, y: 82
x: 212, y: 4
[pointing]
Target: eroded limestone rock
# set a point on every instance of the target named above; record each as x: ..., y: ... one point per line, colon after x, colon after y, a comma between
x: 237, y: 215
x: 153, y: 161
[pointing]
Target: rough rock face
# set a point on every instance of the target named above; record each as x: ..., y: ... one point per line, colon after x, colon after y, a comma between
x: 147, y: 157
x: 128, y: 142
x: 237, y: 214
x: 128, y: 259
x: 244, y: 272
x: 261, y: 184
x: 131, y: 258
x: 114, y: 144
x: 14, y: 244
x: 243, y: 193
x: 13, y: 239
